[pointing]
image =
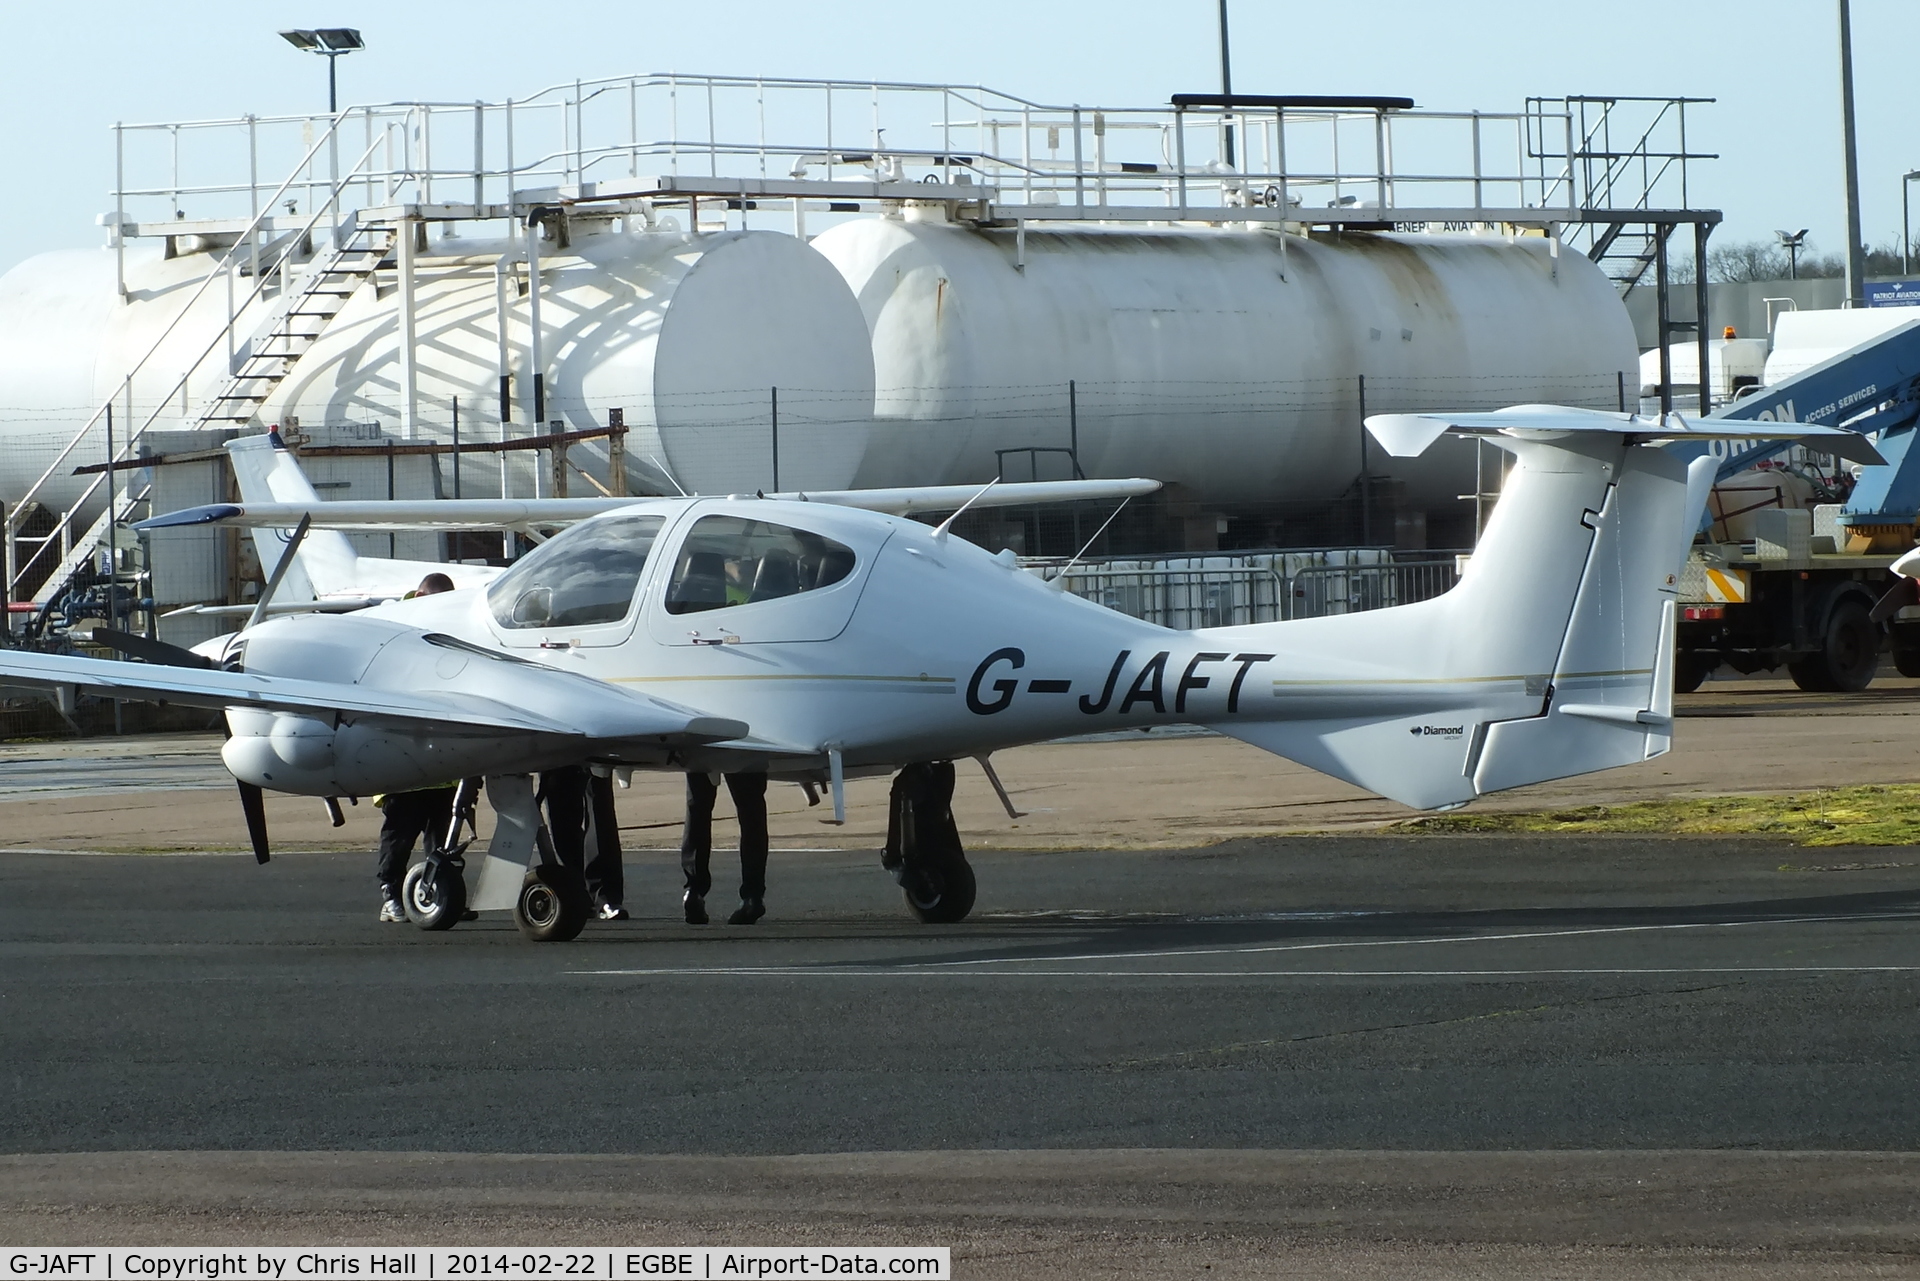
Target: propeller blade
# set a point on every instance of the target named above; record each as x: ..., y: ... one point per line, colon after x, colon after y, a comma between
x: 253, y: 803
x: 149, y: 651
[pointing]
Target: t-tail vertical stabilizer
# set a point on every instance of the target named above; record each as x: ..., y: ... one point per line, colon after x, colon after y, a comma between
x: 1553, y: 656
x: 326, y: 566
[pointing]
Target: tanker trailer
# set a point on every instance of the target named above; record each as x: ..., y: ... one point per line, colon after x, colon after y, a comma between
x: 1227, y: 362
x: 687, y: 334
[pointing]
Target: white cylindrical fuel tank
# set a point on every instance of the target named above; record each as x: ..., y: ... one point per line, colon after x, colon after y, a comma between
x: 689, y: 335
x: 1226, y: 361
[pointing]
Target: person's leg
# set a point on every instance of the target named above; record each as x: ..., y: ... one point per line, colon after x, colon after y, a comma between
x: 436, y: 815
x: 696, y: 846
x: 749, y: 792
x: 606, y: 873
x: 564, y: 793
x: 400, y: 827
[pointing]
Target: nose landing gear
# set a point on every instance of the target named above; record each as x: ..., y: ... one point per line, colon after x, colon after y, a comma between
x: 923, y: 845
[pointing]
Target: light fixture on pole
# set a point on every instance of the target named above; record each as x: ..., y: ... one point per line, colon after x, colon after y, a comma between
x: 330, y: 43
x: 1792, y: 241
x: 1906, y: 234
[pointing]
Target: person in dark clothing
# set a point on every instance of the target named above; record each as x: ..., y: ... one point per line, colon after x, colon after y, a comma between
x: 408, y: 817
x: 411, y: 815
x: 580, y: 804
x: 749, y: 792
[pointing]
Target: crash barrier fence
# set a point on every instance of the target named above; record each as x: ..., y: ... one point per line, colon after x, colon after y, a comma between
x: 1258, y: 587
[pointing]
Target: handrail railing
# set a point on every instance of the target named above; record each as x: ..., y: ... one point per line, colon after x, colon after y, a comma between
x: 759, y: 127
x: 124, y: 444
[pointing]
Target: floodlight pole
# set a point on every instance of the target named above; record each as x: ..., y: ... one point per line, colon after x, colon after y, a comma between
x: 333, y: 85
x: 1906, y: 233
x: 1856, y: 252
x: 1226, y: 78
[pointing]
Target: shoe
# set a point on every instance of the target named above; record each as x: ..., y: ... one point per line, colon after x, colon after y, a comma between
x: 695, y: 907
x: 469, y: 915
x: 749, y: 911
x: 612, y: 912
x: 392, y: 913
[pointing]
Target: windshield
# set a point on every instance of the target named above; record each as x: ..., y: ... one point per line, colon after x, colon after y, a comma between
x: 584, y: 576
x: 729, y: 560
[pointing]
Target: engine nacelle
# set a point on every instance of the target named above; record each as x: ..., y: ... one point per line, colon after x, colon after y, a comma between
x: 285, y: 752
x: 358, y: 754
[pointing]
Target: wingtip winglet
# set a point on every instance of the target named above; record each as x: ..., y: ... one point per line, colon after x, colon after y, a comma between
x: 210, y: 514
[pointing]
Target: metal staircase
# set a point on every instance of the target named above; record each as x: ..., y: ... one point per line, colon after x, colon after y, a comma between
x: 308, y: 290
x: 303, y: 313
x: 1625, y: 160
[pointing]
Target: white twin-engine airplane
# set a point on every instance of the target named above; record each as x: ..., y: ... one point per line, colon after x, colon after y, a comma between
x: 824, y: 637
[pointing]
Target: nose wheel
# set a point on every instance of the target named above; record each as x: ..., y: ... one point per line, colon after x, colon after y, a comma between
x: 923, y: 845
x: 435, y: 893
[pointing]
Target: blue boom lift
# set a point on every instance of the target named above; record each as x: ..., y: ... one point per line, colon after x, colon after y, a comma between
x: 1806, y: 601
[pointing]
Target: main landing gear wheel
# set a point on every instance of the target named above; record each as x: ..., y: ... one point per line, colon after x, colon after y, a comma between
x: 940, y: 894
x: 434, y: 894
x: 923, y: 845
x: 553, y: 905
x: 1849, y: 653
x: 1690, y: 671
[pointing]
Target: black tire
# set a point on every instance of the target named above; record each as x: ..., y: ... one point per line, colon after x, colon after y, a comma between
x: 1849, y: 653
x: 940, y: 893
x: 436, y: 902
x: 1907, y: 662
x: 1690, y: 670
x: 553, y: 906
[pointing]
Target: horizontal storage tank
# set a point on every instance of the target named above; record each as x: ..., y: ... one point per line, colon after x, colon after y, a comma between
x: 1225, y: 361
x: 687, y: 334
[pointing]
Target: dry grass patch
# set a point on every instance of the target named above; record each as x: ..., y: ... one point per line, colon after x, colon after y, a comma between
x: 1888, y: 815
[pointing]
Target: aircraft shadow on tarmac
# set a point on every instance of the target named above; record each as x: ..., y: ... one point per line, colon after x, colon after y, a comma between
x: 1093, y: 937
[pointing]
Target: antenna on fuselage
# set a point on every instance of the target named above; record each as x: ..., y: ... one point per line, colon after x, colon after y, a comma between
x: 940, y: 530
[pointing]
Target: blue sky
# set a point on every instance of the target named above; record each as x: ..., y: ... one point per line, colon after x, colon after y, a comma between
x: 1772, y: 65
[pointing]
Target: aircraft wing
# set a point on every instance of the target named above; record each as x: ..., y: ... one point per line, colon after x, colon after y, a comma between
x: 1408, y: 435
x: 936, y: 498
x: 516, y: 513
x: 618, y: 714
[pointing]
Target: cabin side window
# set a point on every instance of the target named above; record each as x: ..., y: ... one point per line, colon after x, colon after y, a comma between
x: 584, y: 576
x: 730, y: 560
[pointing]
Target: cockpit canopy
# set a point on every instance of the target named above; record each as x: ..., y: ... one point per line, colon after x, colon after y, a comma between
x: 585, y: 576
x: 731, y: 560
x: 589, y: 574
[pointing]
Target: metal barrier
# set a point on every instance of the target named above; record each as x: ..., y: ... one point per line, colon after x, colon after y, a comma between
x: 1183, y: 598
x: 1259, y: 587
x: 1321, y: 590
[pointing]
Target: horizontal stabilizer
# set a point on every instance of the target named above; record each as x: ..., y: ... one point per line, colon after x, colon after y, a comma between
x: 1409, y: 435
